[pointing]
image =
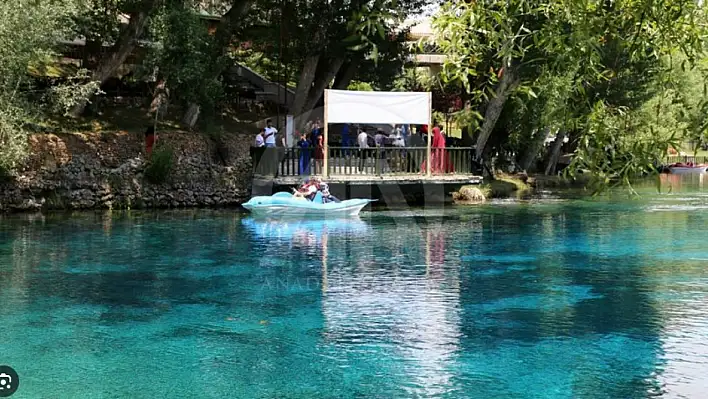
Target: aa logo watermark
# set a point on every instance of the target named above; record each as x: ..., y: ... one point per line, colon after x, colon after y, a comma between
x: 9, y: 381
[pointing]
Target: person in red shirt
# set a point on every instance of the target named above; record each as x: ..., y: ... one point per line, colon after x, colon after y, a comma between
x: 150, y: 139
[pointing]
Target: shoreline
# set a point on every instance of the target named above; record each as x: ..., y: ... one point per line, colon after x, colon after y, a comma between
x: 107, y: 171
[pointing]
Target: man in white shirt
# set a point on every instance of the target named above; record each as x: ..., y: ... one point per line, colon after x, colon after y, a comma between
x: 363, y: 141
x: 270, y: 133
x: 398, y: 140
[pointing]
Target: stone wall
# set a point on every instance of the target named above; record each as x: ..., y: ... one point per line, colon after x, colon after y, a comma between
x: 105, y: 170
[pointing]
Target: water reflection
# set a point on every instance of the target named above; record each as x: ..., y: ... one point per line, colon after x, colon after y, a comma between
x: 681, y: 183
x: 584, y: 299
x: 308, y: 232
x: 393, y: 289
x: 409, y: 310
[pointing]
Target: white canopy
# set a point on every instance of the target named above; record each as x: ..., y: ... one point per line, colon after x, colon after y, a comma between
x: 344, y: 106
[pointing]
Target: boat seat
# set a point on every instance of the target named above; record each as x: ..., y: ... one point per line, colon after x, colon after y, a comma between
x: 318, y: 198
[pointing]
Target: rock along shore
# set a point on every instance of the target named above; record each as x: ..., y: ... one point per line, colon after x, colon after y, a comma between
x: 105, y: 171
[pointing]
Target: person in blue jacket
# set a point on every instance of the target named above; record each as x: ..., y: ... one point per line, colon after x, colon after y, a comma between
x: 345, y: 138
x: 305, y: 155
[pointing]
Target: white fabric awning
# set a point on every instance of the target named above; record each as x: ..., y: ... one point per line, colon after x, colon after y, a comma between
x: 345, y: 106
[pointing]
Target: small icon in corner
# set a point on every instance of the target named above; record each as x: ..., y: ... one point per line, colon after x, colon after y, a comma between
x: 9, y: 381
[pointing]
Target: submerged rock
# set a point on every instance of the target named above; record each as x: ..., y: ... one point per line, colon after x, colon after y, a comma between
x: 469, y: 195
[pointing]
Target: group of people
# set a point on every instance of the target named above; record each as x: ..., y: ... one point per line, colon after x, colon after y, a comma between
x: 266, y: 137
x: 311, y: 143
x: 402, y: 136
x: 311, y: 187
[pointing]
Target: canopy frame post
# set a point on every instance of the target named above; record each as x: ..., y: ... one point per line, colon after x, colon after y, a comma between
x: 325, y: 163
x: 430, y: 131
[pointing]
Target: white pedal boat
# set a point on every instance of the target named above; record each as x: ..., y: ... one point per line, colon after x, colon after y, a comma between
x: 284, y: 204
x: 684, y: 169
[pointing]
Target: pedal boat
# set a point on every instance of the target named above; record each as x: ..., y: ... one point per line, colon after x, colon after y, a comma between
x: 284, y: 204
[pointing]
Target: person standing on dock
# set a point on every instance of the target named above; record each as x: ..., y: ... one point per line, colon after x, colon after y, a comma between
x: 304, y: 156
x: 319, y: 154
x: 315, y: 133
x: 270, y: 133
x: 363, y: 141
x: 257, y: 149
x: 271, y: 153
x: 259, y: 141
x: 345, y: 138
x: 405, y: 132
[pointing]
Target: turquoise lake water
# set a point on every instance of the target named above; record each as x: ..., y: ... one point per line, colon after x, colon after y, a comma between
x: 547, y: 299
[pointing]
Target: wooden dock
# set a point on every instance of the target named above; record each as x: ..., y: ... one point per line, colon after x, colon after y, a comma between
x: 395, y: 176
x: 385, y: 179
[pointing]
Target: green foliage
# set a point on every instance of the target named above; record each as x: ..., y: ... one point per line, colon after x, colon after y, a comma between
x: 416, y: 79
x: 13, y: 138
x: 97, y: 21
x: 159, y: 167
x: 617, y: 147
x: 62, y: 98
x: 29, y: 33
x: 184, y: 56
x: 605, y: 72
x: 360, y: 86
x: 364, y: 32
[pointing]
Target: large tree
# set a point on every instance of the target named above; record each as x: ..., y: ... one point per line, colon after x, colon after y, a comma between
x: 332, y: 41
x: 613, y: 51
x: 138, y: 12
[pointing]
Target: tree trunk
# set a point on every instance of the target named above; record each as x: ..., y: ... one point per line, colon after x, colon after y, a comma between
x: 345, y: 76
x: 507, y: 84
x: 555, y: 153
x: 466, y: 137
x: 304, y: 85
x: 229, y: 23
x: 120, y: 51
x: 191, y: 116
x: 534, y: 148
x: 321, y: 82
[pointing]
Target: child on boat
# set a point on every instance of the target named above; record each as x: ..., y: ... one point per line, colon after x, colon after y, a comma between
x: 326, y: 195
x: 308, y: 190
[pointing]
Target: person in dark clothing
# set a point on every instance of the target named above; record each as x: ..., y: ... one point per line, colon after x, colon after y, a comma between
x: 316, y: 131
x: 305, y: 155
x: 345, y: 139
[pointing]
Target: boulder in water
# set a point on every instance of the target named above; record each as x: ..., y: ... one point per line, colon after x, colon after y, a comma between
x: 469, y: 195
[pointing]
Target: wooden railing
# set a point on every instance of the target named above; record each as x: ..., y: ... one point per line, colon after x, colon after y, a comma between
x: 686, y: 159
x: 351, y: 161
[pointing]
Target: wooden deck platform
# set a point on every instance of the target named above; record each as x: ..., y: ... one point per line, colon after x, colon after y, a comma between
x: 394, y: 176
x: 363, y: 179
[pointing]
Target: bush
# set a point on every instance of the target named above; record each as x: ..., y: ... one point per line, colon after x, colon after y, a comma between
x: 160, y: 165
x: 13, y: 140
x: 506, y: 186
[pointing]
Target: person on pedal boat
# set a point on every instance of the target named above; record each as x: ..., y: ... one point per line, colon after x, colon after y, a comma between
x: 308, y: 190
x: 311, y: 187
x: 326, y: 195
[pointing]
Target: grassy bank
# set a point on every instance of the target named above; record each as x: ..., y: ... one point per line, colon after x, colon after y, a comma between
x: 507, y: 186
